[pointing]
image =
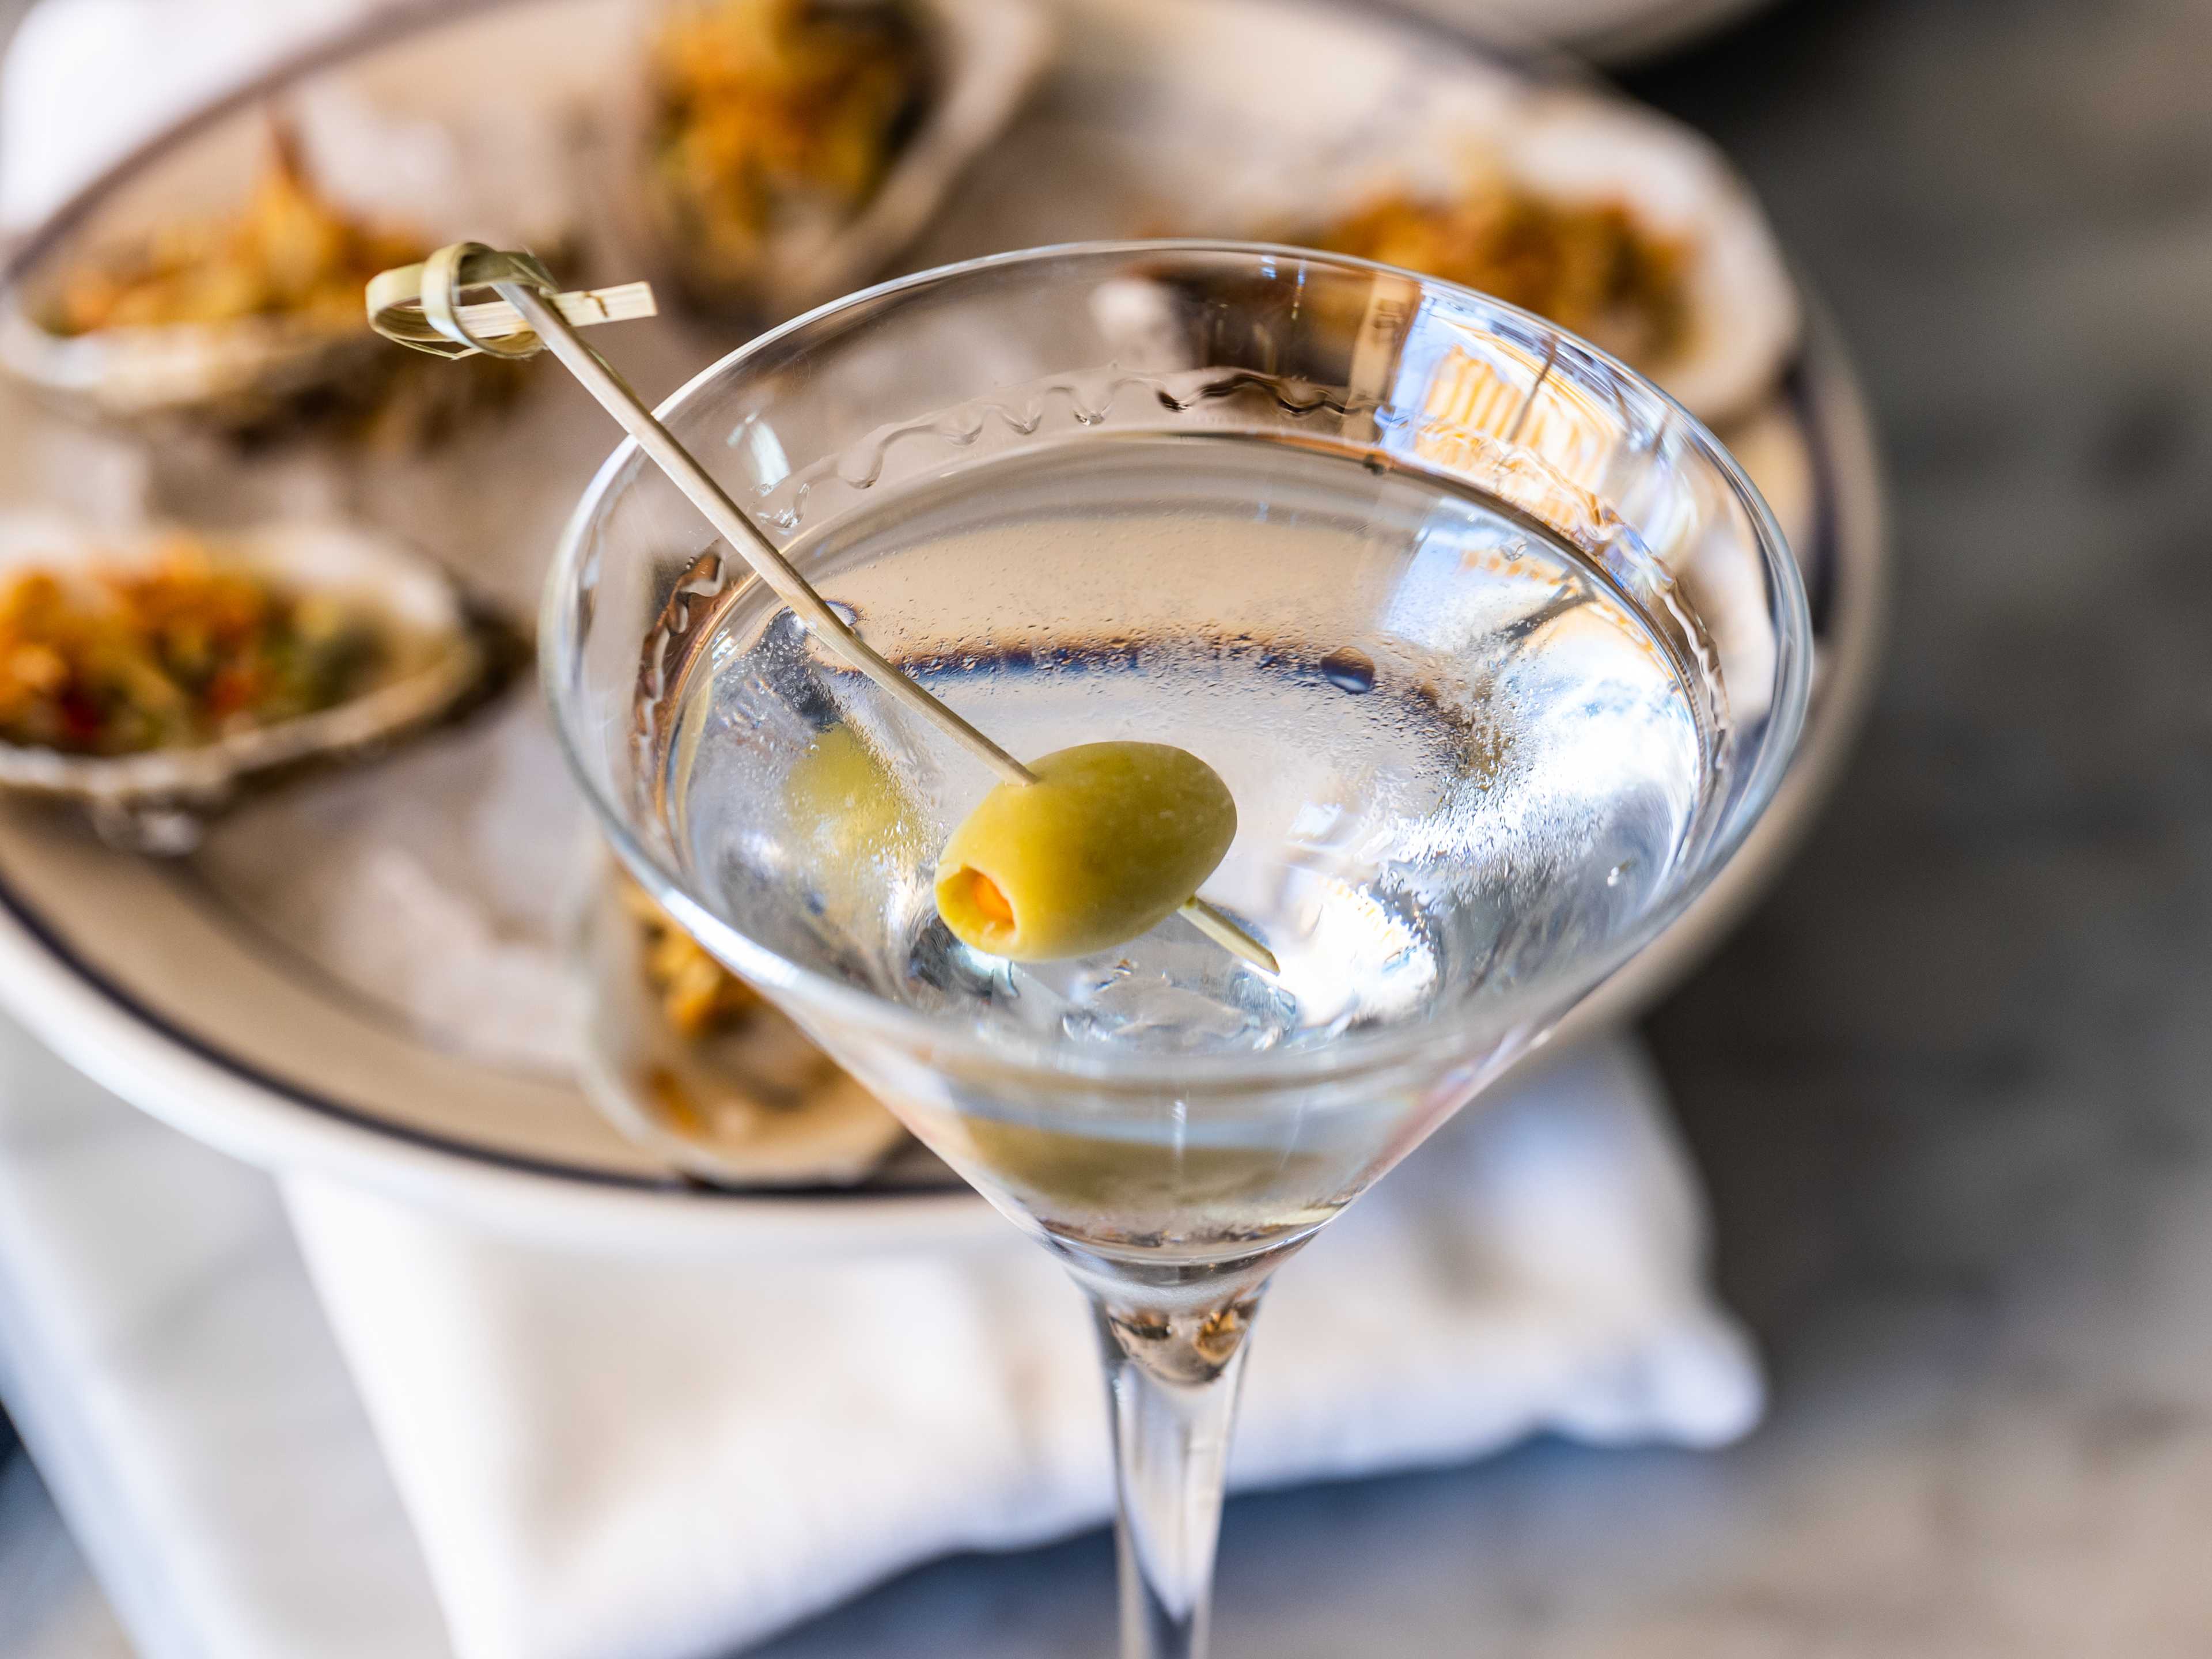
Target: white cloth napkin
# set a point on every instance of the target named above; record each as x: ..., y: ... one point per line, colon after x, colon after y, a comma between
x: 171, y: 1371
x: 629, y: 1460
x: 648, y: 1452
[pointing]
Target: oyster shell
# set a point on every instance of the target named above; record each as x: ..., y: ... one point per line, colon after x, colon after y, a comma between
x: 342, y: 186
x: 1733, y: 318
x: 750, y: 1101
x: 154, y: 801
x: 240, y: 376
x: 981, y: 58
x: 1741, y: 320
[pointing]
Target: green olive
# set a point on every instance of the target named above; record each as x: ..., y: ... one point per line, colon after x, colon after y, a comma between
x: 854, y: 806
x: 1111, y: 840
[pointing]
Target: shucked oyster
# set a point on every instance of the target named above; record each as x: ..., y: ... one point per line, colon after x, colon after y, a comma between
x: 779, y: 152
x: 237, y: 313
x: 239, y: 306
x: 1610, y: 220
x: 1739, y: 320
x: 686, y: 1059
x: 148, y: 676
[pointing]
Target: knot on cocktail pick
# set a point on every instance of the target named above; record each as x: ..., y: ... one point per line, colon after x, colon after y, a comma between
x: 427, y: 307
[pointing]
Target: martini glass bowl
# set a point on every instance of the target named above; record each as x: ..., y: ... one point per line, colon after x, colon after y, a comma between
x: 1498, y: 651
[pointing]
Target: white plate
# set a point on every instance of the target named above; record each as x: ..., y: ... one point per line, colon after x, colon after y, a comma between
x: 187, y: 988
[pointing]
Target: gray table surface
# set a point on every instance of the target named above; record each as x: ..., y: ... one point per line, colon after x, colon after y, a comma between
x: 1949, y: 1085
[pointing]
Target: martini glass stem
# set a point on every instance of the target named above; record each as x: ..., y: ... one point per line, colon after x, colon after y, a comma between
x: 1170, y: 1462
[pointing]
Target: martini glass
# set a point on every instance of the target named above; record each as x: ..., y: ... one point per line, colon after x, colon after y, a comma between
x: 1498, y: 651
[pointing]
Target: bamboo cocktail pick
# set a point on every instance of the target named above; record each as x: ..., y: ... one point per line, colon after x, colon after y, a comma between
x: 419, y: 305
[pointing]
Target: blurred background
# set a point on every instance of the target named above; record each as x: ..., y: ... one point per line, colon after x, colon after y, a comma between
x: 1944, y: 1085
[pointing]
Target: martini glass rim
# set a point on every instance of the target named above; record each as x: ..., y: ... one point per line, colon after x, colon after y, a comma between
x: 1140, y: 1072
